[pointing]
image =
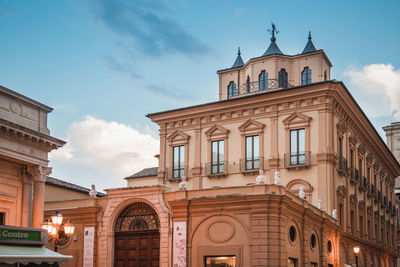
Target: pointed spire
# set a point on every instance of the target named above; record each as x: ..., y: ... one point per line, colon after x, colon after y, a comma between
x: 309, y: 46
x: 273, y: 47
x: 239, y: 61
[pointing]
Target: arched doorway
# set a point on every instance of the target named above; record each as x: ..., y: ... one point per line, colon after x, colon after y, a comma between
x: 137, y: 237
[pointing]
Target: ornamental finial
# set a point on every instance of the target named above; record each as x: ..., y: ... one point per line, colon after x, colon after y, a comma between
x: 239, y: 51
x: 309, y: 35
x: 273, y: 31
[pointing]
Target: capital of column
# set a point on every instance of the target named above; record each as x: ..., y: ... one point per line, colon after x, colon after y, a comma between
x: 26, y: 177
x: 39, y: 173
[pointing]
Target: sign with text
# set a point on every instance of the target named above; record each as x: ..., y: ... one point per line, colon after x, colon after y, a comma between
x: 179, y: 244
x: 88, y: 245
x: 20, y: 235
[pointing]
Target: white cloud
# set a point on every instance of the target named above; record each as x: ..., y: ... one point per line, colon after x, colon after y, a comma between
x: 105, y: 151
x: 377, y: 89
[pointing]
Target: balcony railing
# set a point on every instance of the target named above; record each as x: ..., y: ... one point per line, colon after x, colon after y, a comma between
x: 342, y: 166
x: 251, y: 164
x: 176, y: 174
x: 296, y: 160
x: 216, y: 169
x: 253, y: 87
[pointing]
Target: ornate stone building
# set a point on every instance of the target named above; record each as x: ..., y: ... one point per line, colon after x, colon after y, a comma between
x: 284, y: 169
x: 25, y: 142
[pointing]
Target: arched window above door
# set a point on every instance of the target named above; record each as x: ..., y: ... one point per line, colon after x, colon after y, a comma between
x: 138, y: 216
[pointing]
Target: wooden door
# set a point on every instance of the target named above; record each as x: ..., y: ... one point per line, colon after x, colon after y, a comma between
x: 137, y: 249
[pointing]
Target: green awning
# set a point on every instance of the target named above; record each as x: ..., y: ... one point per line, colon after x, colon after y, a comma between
x: 25, y: 255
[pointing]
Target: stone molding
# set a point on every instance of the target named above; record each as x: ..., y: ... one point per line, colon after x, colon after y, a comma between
x: 39, y: 173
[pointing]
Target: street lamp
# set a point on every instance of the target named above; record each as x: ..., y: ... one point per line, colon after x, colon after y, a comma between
x: 53, y: 229
x: 356, y: 250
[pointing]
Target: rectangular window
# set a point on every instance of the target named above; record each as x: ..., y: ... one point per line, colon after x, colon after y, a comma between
x: 340, y: 148
x: 352, y: 222
x: 361, y: 227
x: 313, y: 264
x: 292, y: 262
x: 217, y: 156
x: 341, y: 213
x: 179, y: 161
x: 352, y: 161
x: 360, y: 168
x: 216, y: 261
x: 297, y: 147
x: 2, y: 218
x: 252, y: 152
x: 369, y: 175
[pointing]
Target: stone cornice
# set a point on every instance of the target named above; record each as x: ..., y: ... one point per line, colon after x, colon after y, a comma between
x: 4, y: 90
x: 23, y: 134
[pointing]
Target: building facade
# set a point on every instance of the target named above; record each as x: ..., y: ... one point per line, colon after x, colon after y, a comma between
x: 284, y: 169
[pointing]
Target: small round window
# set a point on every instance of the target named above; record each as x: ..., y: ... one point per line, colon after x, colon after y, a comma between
x: 292, y: 234
x: 329, y: 246
x: 313, y: 241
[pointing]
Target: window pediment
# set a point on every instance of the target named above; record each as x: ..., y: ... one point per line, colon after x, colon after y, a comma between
x: 251, y: 126
x: 341, y: 191
x: 217, y: 131
x: 297, y: 119
x: 178, y: 137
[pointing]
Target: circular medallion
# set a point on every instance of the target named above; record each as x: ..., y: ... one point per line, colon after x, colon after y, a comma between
x: 15, y: 108
x: 221, y: 231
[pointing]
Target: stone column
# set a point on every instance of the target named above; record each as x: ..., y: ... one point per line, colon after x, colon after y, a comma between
x: 39, y: 174
x: 26, y: 198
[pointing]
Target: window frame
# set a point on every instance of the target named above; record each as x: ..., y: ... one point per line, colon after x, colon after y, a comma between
x: 181, y: 167
x: 283, y: 78
x: 217, y: 133
x: 253, y: 159
x: 178, y: 138
x: 293, y: 122
x: 219, y: 163
x: 252, y: 128
x: 264, y: 77
x: 232, y: 91
x: 306, y: 75
x: 298, y: 154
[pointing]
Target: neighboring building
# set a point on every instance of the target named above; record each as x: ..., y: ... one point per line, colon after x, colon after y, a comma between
x: 393, y: 142
x: 25, y: 142
x: 276, y: 113
x: 75, y: 204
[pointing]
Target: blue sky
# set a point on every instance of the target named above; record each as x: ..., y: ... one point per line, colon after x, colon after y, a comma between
x: 103, y: 65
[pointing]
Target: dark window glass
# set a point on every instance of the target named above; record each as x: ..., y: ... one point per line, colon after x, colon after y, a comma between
x: 340, y: 148
x: 360, y: 168
x: 231, y: 89
x: 352, y: 226
x: 179, y: 161
x: 263, y: 80
x: 325, y: 76
x: 361, y: 227
x: 292, y: 233
x: 217, y: 156
x: 341, y: 213
x: 329, y: 246
x: 306, y: 76
x: 252, y: 152
x: 313, y: 241
x: 313, y: 264
x: 2, y: 218
x: 297, y: 147
x: 282, y: 78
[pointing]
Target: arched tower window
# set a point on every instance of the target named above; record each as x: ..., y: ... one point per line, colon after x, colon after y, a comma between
x: 282, y: 79
x: 137, y: 217
x: 325, y: 76
x: 263, y: 80
x: 248, y: 84
x: 306, y: 76
x: 231, y: 89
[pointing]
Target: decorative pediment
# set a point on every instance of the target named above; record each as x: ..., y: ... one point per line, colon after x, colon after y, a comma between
x: 369, y: 210
x: 361, y: 204
x: 376, y: 214
x: 341, y: 126
x: 178, y: 137
x: 369, y: 158
x: 353, y: 199
x: 353, y: 139
x: 251, y: 126
x: 297, y: 119
x: 361, y: 148
x: 294, y: 186
x: 341, y: 191
x: 217, y: 131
